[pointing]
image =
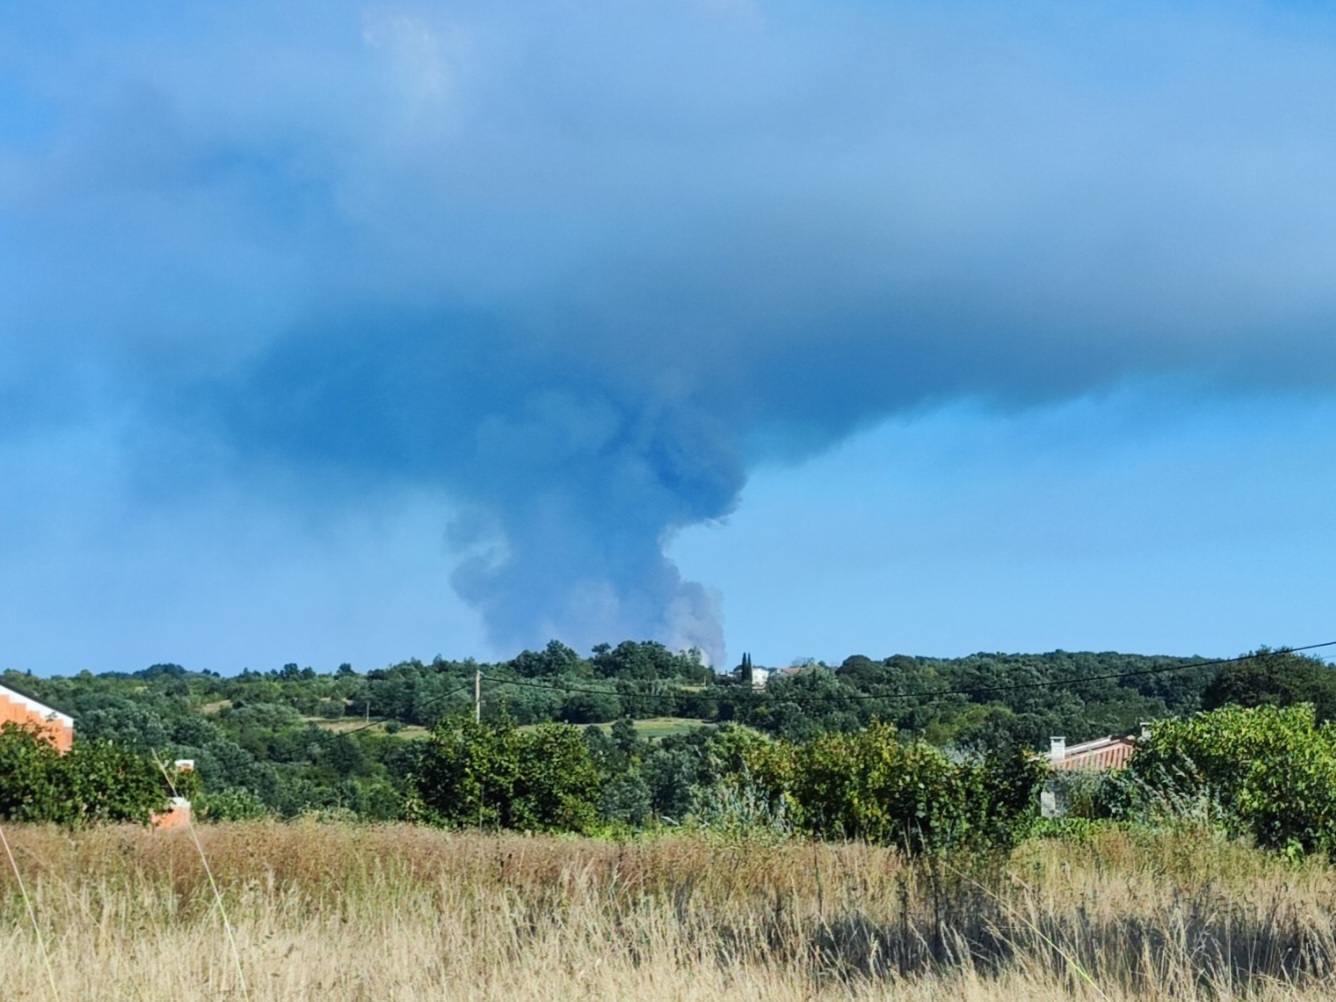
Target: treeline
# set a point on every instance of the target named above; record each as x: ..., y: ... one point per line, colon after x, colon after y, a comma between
x: 977, y: 704
x: 990, y: 701
x: 292, y: 740
x: 1259, y: 763
x: 637, y: 680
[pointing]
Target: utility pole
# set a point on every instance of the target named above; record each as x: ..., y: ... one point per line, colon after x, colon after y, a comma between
x: 477, y: 695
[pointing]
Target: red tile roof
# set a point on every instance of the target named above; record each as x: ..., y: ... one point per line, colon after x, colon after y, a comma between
x: 1102, y: 753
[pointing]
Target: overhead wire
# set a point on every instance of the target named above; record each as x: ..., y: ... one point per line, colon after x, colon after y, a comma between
x: 619, y: 687
x: 429, y: 702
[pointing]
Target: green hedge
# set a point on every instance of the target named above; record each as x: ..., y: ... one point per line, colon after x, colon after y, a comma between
x: 1268, y: 772
x: 494, y: 775
x: 94, y: 782
x: 871, y: 786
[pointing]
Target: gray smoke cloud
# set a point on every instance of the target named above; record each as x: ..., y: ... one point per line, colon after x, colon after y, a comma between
x: 566, y: 483
x: 581, y: 267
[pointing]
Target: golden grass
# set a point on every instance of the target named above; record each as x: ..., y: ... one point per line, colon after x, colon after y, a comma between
x: 340, y: 913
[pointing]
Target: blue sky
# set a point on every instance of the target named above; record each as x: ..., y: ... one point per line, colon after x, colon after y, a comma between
x: 362, y: 331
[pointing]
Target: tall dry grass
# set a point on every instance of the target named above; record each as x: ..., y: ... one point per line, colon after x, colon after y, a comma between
x: 398, y: 913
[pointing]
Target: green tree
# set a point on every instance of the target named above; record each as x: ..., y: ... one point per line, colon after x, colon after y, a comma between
x: 554, y: 659
x: 745, y: 672
x: 1265, y: 771
x: 95, y: 782
x: 1275, y: 678
x: 494, y: 775
x: 868, y: 785
x: 30, y: 784
x: 105, y: 783
x: 626, y: 737
x: 557, y: 784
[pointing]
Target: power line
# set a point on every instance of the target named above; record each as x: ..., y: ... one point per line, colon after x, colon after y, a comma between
x: 430, y: 702
x: 620, y: 686
x: 665, y: 687
x: 528, y: 683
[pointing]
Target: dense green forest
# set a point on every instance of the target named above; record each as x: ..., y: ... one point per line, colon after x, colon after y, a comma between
x: 293, y: 740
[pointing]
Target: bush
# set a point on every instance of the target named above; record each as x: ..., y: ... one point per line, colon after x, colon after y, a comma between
x: 1090, y: 793
x: 93, y: 783
x: 230, y: 805
x: 494, y: 775
x: 626, y: 800
x: 742, y: 811
x: 1266, y: 771
x: 869, y: 786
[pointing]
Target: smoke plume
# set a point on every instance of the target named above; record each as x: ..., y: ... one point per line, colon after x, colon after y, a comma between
x: 580, y: 267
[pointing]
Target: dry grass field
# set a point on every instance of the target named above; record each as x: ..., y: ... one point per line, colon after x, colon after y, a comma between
x: 338, y: 913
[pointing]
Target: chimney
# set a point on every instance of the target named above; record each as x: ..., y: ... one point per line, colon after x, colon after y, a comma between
x: 1057, y: 749
x: 1145, y: 730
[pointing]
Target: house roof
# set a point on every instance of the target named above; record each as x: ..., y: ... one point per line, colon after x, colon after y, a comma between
x: 35, y: 707
x: 1102, y: 753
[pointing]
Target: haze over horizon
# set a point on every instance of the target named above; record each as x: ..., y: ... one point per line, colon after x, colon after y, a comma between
x: 346, y: 332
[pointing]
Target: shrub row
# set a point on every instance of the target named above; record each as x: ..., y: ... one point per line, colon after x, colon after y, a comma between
x: 94, y: 782
x: 866, y: 786
x: 1267, y: 772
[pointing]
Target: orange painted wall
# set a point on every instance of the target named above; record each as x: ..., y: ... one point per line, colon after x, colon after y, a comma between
x: 176, y: 816
x: 61, y: 735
